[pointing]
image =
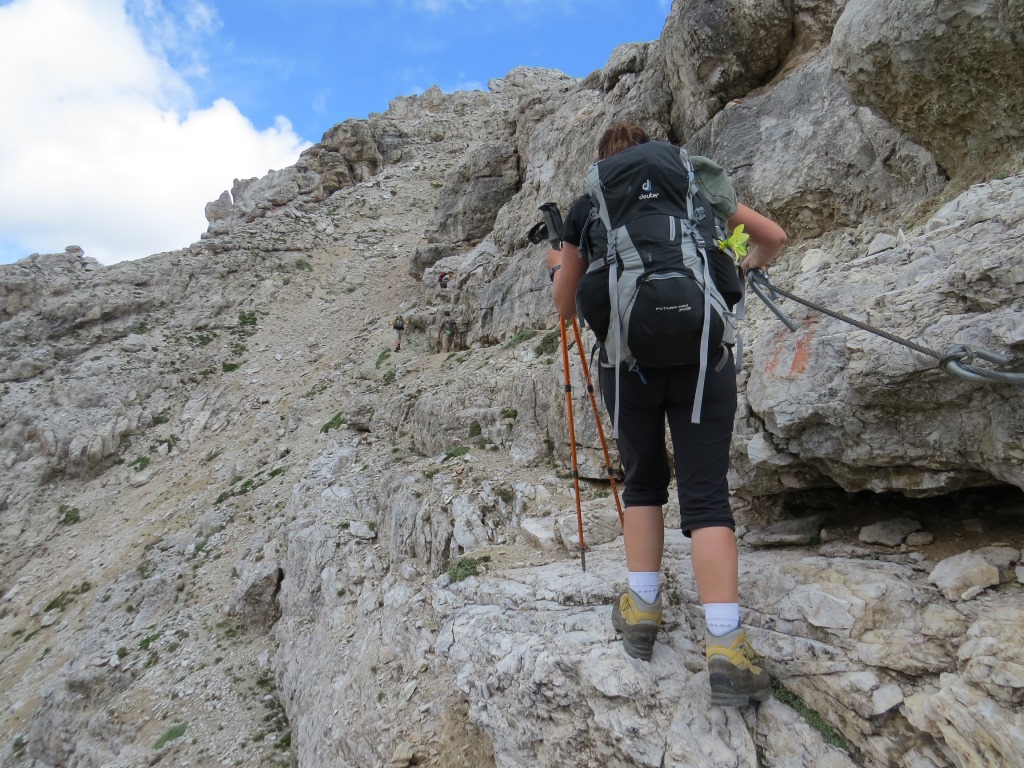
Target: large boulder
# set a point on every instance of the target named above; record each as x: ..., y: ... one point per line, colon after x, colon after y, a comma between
x: 716, y: 51
x: 817, y: 164
x: 892, y: 54
x: 841, y: 403
x: 474, y: 191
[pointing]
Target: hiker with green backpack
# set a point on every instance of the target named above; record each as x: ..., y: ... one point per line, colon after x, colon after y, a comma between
x: 644, y: 257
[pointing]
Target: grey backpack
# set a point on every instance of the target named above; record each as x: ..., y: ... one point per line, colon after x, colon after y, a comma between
x: 658, y: 291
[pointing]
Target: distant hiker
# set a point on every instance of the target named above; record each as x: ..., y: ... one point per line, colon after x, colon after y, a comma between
x: 652, y: 368
x: 443, y: 278
x: 398, y: 325
x: 446, y: 332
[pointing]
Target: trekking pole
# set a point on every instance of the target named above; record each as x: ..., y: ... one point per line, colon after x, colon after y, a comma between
x: 597, y: 420
x: 572, y: 443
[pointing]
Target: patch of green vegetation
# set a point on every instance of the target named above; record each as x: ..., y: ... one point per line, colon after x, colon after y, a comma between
x: 382, y: 357
x: 161, y: 418
x: 68, y: 515
x: 229, y: 367
x: 278, y: 471
x: 475, y: 430
x: 199, y: 547
x: 505, y: 494
x: 816, y: 721
x: 201, y: 339
x: 171, y: 734
x: 249, y: 485
x: 388, y: 377
x: 212, y: 455
x: 148, y: 640
x: 549, y: 344
x: 146, y: 568
x: 456, y: 451
x: 316, y: 389
x: 508, y: 413
x: 266, y: 682
x: 465, y: 567
x: 519, y: 338
x: 247, y: 318
x: 140, y: 463
x: 336, y: 421
x: 61, y: 601
x: 141, y: 328
x: 304, y: 265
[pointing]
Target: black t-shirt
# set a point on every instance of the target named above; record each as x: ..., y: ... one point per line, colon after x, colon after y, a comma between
x: 595, y: 239
x: 572, y: 227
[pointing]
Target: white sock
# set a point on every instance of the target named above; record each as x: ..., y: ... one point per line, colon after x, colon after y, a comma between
x: 721, y: 618
x: 645, y: 584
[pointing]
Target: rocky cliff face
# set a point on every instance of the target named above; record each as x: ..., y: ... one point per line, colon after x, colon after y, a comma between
x: 239, y: 529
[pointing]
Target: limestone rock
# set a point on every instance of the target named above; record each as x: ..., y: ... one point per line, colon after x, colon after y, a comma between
x: 891, y: 533
x: 474, y: 192
x: 785, y: 533
x: 316, y: 572
x: 888, y: 54
x: 763, y: 143
x: 715, y: 52
x: 256, y: 595
x: 955, y: 575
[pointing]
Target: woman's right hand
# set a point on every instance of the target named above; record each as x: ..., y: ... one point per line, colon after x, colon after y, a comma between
x: 768, y: 237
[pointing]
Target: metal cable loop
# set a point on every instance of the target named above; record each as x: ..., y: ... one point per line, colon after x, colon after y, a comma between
x: 957, y: 360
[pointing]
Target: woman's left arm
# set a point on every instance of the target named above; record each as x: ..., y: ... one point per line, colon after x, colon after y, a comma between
x: 569, y: 272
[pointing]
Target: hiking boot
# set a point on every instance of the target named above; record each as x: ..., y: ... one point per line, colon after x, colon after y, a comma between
x: 638, y: 622
x: 735, y: 679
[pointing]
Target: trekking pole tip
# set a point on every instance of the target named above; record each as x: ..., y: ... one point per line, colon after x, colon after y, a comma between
x: 583, y: 559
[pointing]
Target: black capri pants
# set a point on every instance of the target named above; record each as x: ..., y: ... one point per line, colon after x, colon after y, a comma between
x: 701, y: 451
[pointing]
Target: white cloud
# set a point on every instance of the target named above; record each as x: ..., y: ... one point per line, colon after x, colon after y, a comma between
x: 101, y: 144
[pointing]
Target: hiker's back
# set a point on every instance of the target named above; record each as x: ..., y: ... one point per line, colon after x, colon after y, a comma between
x: 658, y: 290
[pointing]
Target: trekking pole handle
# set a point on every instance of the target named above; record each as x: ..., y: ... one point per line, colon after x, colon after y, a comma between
x: 757, y: 278
x: 553, y: 222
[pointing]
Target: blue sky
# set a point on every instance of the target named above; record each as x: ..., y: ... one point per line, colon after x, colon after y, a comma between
x: 128, y: 116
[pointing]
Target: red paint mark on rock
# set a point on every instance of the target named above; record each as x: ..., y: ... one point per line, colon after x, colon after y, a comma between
x: 802, y: 354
